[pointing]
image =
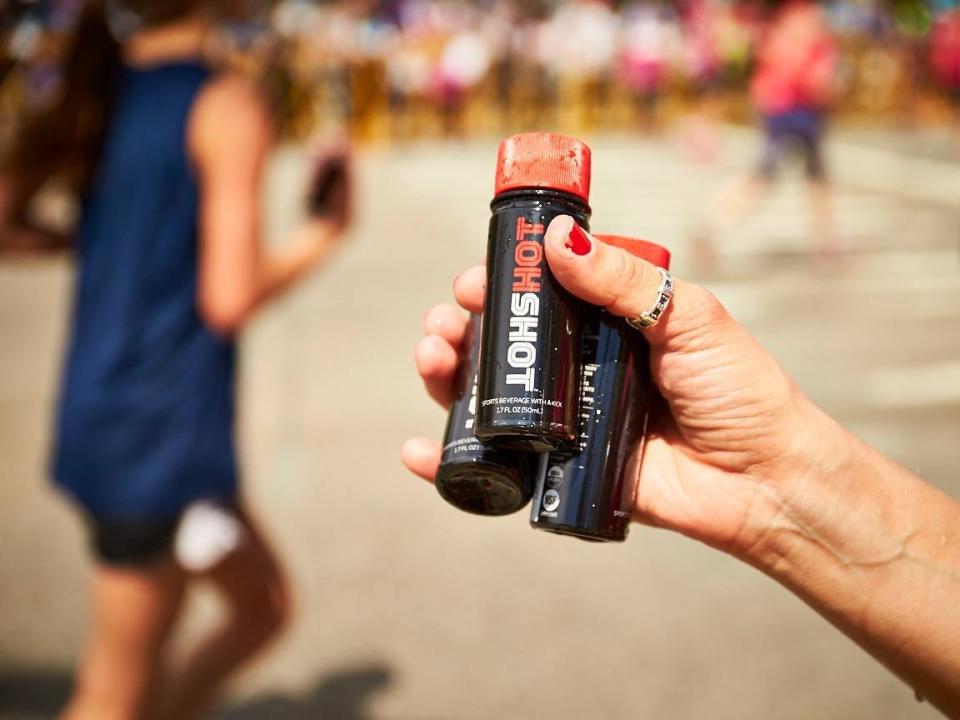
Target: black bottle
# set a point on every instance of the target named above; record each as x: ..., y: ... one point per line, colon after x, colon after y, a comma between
x: 329, y: 194
x: 588, y: 492
x: 530, y: 350
x: 474, y: 476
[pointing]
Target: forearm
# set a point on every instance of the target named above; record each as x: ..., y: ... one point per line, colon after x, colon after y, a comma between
x: 876, y: 551
x: 306, y: 248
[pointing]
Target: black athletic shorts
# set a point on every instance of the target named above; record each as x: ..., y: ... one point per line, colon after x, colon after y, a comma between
x: 131, y: 542
x: 800, y: 129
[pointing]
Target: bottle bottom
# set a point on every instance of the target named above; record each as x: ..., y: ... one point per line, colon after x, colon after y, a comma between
x: 580, y: 533
x: 483, y: 489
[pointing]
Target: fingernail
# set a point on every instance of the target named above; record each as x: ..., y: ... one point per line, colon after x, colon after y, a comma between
x: 578, y: 241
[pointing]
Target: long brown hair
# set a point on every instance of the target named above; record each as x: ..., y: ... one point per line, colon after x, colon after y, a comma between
x: 64, y: 140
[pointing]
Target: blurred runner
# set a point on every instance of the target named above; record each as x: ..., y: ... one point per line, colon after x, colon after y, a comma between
x: 945, y: 53
x: 791, y: 90
x: 168, y: 157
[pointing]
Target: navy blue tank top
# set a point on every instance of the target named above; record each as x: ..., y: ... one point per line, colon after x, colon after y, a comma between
x: 145, y: 422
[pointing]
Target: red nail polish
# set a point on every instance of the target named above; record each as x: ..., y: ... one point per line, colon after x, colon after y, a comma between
x: 578, y: 241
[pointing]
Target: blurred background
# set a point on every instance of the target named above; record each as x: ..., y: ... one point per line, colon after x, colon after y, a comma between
x: 407, y: 608
x: 394, y: 70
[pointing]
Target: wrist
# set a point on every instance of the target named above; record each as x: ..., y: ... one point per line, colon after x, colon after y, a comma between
x: 312, y: 240
x: 803, y: 496
x: 837, y: 510
x: 873, y: 549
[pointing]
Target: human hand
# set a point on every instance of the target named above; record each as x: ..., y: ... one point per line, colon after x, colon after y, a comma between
x: 738, y: 458
x: 733, y: 431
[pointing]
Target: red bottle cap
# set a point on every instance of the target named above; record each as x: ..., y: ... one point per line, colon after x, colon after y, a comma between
x: 544, y: 160
x: 651, y: 252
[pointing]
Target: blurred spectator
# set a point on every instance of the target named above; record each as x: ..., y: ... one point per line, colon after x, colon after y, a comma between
x: 431, y: 67
x: 651, y: 42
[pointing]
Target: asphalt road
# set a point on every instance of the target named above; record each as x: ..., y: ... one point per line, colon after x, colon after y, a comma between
x: 408, y: 609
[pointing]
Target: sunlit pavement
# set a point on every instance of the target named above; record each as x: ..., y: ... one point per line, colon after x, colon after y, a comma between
x: 408, y: 609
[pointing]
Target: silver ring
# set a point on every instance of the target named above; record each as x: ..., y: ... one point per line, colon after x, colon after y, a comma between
x: 664, y: 295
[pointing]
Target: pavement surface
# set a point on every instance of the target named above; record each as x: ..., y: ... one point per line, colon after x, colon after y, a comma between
x: 408, y: 609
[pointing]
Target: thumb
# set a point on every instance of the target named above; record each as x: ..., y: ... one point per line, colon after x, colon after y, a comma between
x: 628, y: 286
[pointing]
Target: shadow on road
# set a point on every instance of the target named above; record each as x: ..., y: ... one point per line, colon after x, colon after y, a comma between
x: 341, y: 696
x: 26, y: 694
x: 31, y: 694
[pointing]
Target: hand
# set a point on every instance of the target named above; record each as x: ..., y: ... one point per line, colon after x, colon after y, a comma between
x: 739, y: 459
x: 733, y: 430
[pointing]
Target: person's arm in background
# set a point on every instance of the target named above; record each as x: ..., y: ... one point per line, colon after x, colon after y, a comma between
x: 741, y: 460
x: 231, y: 135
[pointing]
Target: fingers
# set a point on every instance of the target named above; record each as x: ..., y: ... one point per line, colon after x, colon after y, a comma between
x: 446, y: 321
x: 437, y: 353
x: 437, y: 358
x: 469, y: 287
x: 600, y: 274
x: 626, y: 285
x: 421, y: 457
x: 436, y: 361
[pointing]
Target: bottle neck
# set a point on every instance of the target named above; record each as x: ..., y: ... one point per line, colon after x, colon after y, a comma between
x: 577, y: 205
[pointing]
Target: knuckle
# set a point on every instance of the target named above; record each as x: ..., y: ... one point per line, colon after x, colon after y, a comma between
x: 698, y: 320
x: 424, y: 353
x: 631, y: 281
x: 704, y: 304
x: 430, y: 318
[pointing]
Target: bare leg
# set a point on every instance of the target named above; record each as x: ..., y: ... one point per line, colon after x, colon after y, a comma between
x: 252, y: 584
x: 821, y: 217
x: 735, y: 201
x: 133, y: 612
x: 726, y: 210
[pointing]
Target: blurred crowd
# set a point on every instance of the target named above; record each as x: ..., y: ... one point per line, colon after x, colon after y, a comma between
x: 415, y: 68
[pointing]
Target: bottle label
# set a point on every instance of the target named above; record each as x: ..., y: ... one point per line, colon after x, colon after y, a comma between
x: 521, y: 341
x: 467, y: 442
x: 559, y: 464
x: 529, y: 364
x: 524, y: 327
x: 470, y: 419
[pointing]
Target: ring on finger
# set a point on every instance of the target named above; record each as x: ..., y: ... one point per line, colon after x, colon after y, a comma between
x: 664, y: 295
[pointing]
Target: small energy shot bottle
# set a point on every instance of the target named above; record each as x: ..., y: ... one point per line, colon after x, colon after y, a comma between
x: 474, y: 476
x: 530, y: 351
x: 588, y: 492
